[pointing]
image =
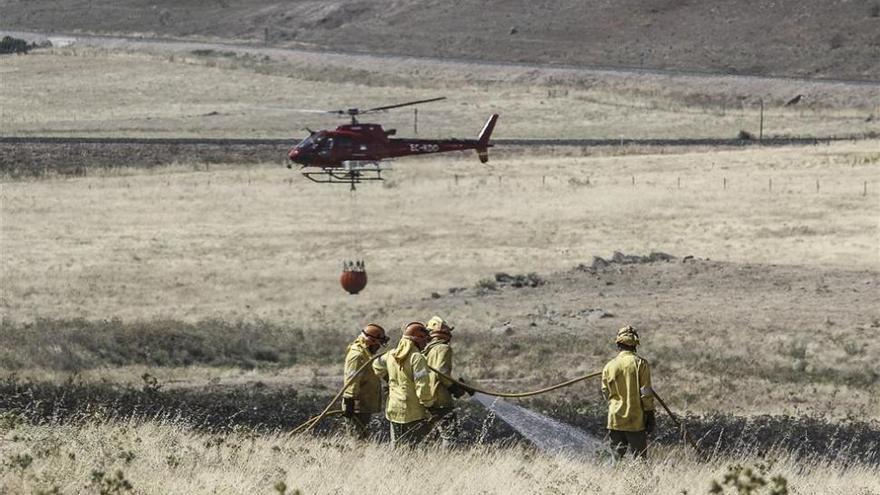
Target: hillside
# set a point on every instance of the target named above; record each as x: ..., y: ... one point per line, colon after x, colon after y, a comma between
x: 813, y: 38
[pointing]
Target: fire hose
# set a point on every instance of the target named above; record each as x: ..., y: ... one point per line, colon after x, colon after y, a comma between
x: 467, y: 386
x: 514, y: 395
x: 312, y: 422
x: 681, y: 426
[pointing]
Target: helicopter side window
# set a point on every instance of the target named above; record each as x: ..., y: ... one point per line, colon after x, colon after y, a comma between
x: 324, y: 145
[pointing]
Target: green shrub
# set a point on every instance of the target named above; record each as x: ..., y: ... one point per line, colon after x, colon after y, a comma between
x: 20, y: 461
x: 79, y: 344
x: 747, y: 480
x: 14, y: 45
x: 110, y: 485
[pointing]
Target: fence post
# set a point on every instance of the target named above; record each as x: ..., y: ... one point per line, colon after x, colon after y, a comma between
x: 724, y: 184
x: 761, y: 124
x: 770, y: 184
x: 634, y: 181
x: 817, y: 186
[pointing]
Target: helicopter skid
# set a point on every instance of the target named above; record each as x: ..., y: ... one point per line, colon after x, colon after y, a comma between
x: 364, y: 166
x: 351, y: 172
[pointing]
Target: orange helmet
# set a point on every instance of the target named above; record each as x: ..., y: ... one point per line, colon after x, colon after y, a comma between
x: 375, y: 334
x: 416, y: 332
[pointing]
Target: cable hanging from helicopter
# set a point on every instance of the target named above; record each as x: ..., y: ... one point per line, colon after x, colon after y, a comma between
x: 359, y: 152
x: 354, y: 272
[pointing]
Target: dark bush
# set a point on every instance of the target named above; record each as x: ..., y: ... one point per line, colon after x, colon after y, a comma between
x: 214, y: 409
x: 802, y: 436
x: 269, y: 408
x: 72, y: 345
x: 528, y: 280
x: 14, y: 45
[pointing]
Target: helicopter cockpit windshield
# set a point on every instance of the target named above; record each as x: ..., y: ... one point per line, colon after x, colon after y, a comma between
x: 312, y: 142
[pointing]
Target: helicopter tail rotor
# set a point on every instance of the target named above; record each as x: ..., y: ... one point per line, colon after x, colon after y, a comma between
x: 483, y: 144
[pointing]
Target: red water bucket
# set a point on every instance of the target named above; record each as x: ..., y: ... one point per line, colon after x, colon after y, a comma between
x: 353, y: 281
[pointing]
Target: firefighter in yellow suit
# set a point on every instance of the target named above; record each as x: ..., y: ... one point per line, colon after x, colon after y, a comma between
x: 439, y: 356
x: 409, y: 389
x: 363, y: 397
x: 626, y: 385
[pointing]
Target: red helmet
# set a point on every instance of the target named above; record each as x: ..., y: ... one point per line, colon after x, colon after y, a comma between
x: 416, y: 332
x: 375, y: 334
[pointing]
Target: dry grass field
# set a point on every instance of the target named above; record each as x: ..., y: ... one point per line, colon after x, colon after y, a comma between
x: 212, y: 290
x: 260, y: 241
x: 164, y: 458
x: 172, y: 91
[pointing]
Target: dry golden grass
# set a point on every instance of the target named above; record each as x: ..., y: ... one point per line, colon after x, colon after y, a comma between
x: 165, y: 458
x: 89, y: 92
x: 262, y: 242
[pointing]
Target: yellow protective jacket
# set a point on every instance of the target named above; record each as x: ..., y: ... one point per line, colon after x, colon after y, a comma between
x: 366, y: 389
x: 409, y: 390
x: 626, y: 385
x: 380, y: 369
x: 439, y: 356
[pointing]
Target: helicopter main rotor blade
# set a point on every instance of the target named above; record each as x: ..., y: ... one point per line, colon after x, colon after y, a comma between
x: 288, y: 110
x: 350, y: 111
x: 389, y: 107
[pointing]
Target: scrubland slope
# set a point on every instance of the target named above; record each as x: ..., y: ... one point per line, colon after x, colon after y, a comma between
x: 836, y: 39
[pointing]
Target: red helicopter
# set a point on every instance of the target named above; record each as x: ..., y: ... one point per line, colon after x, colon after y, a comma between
x: 353, y: 153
